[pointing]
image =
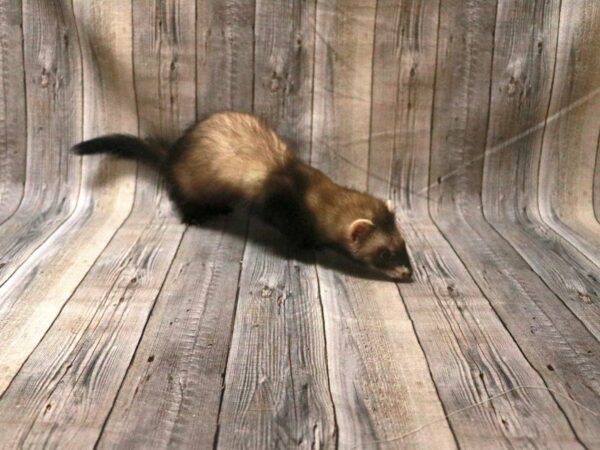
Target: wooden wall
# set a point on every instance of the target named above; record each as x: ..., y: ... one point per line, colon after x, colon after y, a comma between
x: 479, y: 119
x: 439, y: 105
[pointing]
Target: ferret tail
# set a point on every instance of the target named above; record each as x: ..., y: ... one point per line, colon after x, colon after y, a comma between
x: 150, y: 151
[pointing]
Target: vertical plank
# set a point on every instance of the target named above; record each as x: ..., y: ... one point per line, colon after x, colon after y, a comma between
x: 570, y: 141
x: 556, y: 343
x: 284, y: 69
x: 445, y: 303
x: 225, y: 82
x: 176, y: 377
x: 370, y: 337
x: 164, y: 62
x: 66, y: 388
x: 37, y: 291
x: 403, y: 75
x: 124, y: 282
x: 521, y: 86
x: 597, y: 182
x: 276, y: 384
x: 342, y: 89
x: 13, y: 118
x: 461, y: 104
x: 171, y: 394
x: 52, y: 83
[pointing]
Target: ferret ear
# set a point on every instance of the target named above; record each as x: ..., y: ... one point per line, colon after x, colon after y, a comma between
x: 390, y: 205
x: 360, y: 229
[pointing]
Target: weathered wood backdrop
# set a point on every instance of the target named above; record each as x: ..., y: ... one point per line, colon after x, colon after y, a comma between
x: 480, y: 119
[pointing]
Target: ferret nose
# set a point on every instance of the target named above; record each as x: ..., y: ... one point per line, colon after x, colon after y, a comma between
x: 404, y: 273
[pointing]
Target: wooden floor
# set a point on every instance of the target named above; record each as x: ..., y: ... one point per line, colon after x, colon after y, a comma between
x: 122, y: 328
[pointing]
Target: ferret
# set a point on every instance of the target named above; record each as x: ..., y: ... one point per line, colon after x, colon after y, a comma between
x: 232, y: 157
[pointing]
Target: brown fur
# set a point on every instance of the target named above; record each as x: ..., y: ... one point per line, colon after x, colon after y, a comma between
x: 233, y: 157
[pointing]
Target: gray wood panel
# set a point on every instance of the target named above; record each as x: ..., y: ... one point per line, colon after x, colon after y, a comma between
x: 276, y: 384
x: 88, y: 322
x: 596, y: 194
x: 570, y: 140
x: 13, y: 116
x: 52, y: 83
x: 510, y: 185
x: 64, y: 400
x: 369, y: 335
x: 181, y: 359
x: 37, y: 291
x: 170, y: 397
x: 122, y: 328
x: 225, y: 28
x: 459, y: 123
x: 498, y: 271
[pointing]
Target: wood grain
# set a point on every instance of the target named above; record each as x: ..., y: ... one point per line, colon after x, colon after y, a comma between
x: 13, y: 117
x: 570, y: 141
x: 225, y: 28
x: 170, y: 397
x: 563, y: 345
x: 596, y: 193
x: 284, y: 69
x: 124, y: 281
x: 510, y: 185
x: 52, y: 82
x: 276, y: 384
x: 37, y: 291
x: 177, y: 374
x: 164, y: 62
x: 375, y: 361
x: 67, y: 386
x: 460, y: 103
x: 342, y: 89
x: 121, y: 327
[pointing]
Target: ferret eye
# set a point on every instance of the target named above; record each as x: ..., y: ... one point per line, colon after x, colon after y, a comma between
x: 384, y: 254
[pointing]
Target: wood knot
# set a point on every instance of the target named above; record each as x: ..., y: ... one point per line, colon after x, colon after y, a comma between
x: 274, y: 83
x: 44, y: 78
x: 266, y: 292
x: 585, y: 298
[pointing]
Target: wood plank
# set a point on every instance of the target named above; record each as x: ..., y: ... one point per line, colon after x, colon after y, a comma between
x: 570, y: 142
x: 510, y: 185
x: 52, y: 80
x: 170, y: 397
x: 284, y: 69
x: 276, y: 384
x: 554, y: 341
x: 66, y: 388
x: 342, y: 89
x: 597, y: 182
x: 125, y: 281
x: 164, y: 61
x: 403, y: 74
x: 471, y: 355
x: 176, y: 377
x: 35, y: 294
x: 224, y: 82
x: 13, y: 118
x: 377, y: 393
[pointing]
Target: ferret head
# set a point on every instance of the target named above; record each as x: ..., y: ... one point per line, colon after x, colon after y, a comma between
x: 377, y: 242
